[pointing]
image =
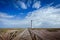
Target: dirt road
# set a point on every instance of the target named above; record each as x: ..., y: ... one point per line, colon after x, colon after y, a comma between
x: 29, y: 34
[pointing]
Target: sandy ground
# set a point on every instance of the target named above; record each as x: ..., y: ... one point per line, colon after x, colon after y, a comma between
x: 29, y: 34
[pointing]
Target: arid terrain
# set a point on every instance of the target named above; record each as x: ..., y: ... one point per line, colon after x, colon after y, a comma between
x: 30, y: 34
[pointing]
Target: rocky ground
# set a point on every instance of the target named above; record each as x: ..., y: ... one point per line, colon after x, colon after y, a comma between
x: 29, y: 34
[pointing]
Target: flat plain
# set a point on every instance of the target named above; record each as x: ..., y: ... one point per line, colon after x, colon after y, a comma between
x: 29, y: 33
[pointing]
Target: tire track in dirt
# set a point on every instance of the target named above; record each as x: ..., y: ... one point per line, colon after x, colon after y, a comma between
x: 46, y: 35
x: 29, y: 34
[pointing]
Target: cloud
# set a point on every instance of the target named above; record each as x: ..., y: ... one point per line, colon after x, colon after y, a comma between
x: 36, y: 5
x: 21, y: 4
x: 29, y: 2
x: 4, y: 15
x: 45, y: 17
x: 12, y: 21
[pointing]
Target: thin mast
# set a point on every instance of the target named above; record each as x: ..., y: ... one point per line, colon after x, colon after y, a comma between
x: 31, y: 23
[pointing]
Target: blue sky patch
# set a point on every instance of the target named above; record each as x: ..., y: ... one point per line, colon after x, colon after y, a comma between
x: 19, y: 13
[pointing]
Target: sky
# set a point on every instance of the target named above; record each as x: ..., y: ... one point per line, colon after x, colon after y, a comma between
x: 19, y: 13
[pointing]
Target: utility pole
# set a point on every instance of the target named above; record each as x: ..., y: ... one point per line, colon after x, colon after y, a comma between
x: 31, y: 23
